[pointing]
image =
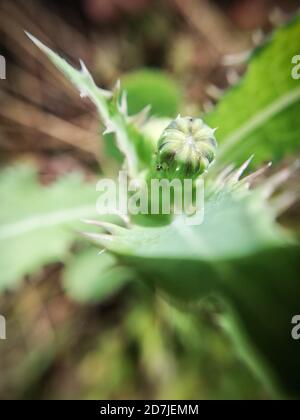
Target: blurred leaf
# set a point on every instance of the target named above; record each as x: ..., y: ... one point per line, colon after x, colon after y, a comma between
x: 234, y: 227
x: 261, y: 114
x: 155, y: 88
x: 90, y: 277
x: 239, y: 254
x: 38, y: 224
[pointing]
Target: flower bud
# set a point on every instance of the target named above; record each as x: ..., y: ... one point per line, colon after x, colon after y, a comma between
x: 186, y: 148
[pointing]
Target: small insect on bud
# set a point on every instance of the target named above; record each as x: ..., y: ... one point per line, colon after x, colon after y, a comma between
x: 186, y: 148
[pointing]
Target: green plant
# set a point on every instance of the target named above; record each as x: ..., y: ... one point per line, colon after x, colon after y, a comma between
x: 239, y: 254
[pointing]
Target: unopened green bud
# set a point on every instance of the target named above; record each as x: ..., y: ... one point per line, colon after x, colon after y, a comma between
x: 186, y: 148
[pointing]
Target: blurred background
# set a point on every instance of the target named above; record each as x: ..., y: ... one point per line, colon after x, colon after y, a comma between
x: 130, y: 344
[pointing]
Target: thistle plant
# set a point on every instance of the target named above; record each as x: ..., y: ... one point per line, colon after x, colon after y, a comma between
x: 239, y: 254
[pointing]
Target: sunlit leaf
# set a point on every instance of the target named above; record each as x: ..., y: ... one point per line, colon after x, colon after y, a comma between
x: 261, y: 114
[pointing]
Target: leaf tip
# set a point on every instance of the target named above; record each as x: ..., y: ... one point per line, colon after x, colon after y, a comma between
x: 32, y: 38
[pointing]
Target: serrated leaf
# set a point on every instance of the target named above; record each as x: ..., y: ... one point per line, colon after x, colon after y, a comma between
x: 112, y: 108
x: 233, y: 228
x: 238, y: 254
x: 38, y: 224
x: 90, y: 277
x: 261, y: 114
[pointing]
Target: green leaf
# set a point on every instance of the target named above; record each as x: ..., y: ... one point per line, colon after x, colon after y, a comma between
x: 238, y: 254
x: 152, y: 87
x: 112, y: 108
x: 234, y: 227
x: 261, y: 114
x: 38, y: 224
x: 90, y: 277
